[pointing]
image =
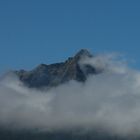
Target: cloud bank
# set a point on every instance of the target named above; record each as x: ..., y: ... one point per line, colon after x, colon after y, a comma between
x: 109, y: 101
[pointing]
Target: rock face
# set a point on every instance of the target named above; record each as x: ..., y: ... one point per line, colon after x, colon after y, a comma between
x: 58, y: 73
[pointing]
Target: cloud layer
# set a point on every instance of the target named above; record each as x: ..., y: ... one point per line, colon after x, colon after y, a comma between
x: 109, y: 101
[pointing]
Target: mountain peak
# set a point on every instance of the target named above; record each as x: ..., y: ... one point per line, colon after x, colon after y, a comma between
x: 58, y: 73
x: 83, y: 53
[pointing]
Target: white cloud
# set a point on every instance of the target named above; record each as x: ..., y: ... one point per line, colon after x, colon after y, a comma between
x: 108, y: 101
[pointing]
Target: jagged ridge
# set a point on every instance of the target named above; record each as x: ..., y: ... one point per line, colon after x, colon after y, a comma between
x: 58, y: 73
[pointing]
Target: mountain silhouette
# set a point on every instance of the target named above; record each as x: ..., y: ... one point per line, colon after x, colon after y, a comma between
x: 55, y: 74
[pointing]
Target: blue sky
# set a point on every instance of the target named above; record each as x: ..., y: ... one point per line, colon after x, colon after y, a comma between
x: 47, y: 31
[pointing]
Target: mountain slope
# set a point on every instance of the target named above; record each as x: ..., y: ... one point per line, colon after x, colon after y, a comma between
x: 58, y: 73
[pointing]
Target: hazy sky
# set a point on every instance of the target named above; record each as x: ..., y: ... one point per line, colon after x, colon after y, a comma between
x: 46, y: 31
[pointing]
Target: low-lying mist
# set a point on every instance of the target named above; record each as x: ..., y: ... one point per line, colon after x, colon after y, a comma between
x: 109, y: 101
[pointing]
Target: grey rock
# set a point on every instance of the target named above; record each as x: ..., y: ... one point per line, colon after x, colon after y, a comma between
x: 58, y: 73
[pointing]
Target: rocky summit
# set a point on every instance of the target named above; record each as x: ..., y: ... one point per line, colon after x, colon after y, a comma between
x: 55, y: 74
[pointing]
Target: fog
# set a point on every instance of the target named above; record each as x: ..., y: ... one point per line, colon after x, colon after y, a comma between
x: 109, y: 101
